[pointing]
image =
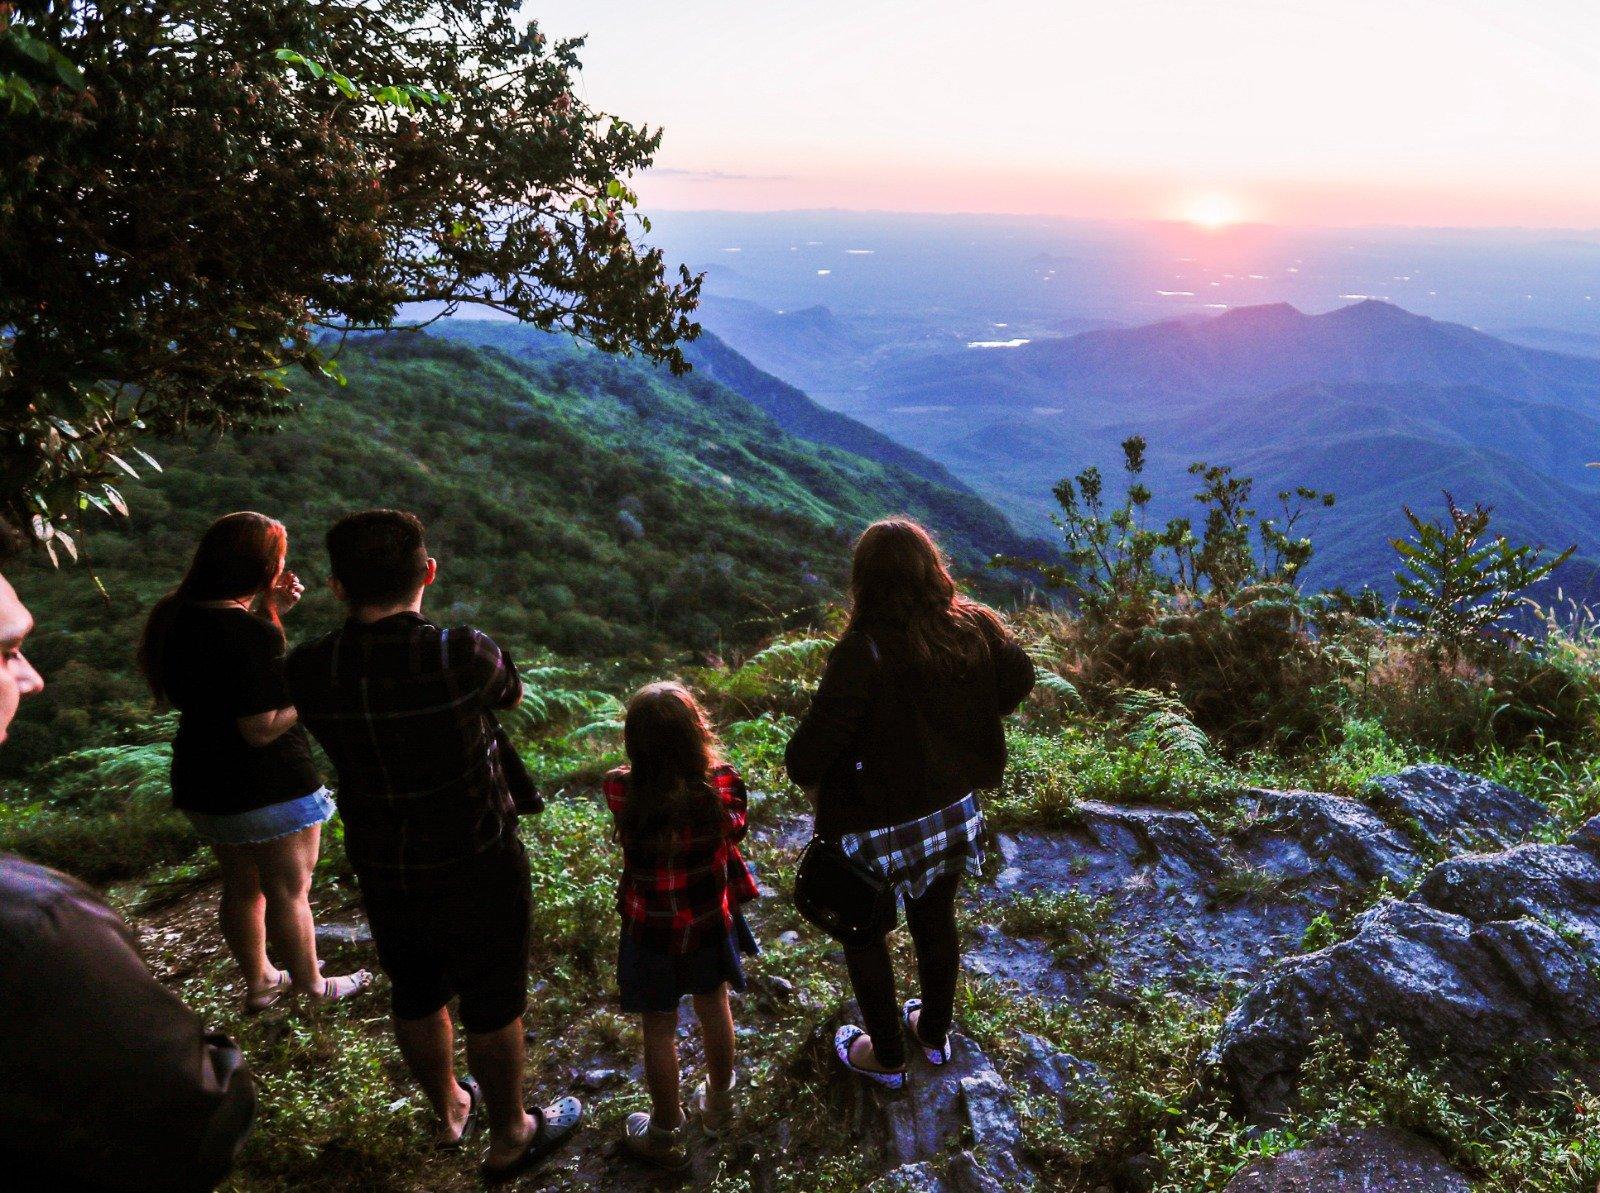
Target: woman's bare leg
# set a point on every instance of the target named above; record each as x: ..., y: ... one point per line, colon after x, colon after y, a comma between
x: 242, y: 916
x: 285, y: 866
x: 661, y: 1068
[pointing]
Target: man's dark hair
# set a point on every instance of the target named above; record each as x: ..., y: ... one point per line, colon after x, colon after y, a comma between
x: 378, y: 556
x: 10, y: 541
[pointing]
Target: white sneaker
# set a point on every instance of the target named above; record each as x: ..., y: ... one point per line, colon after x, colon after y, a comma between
x: 657, y: 1145
x: 716, y: 1108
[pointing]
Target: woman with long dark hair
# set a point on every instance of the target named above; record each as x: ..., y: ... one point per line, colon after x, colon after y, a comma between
x: 904, y: 730
x: 242, y: 770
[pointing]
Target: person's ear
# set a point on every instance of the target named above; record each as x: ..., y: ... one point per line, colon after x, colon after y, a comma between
x: 431, y: 572
x: 338, y: 589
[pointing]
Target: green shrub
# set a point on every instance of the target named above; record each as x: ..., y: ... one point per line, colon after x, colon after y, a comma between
x: 102, y: 814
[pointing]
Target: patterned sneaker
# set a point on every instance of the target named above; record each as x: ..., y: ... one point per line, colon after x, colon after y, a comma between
x: 716, y: 1108
x: 656, y: 1145
x: 936, y: 1056
x: 842, y: 1041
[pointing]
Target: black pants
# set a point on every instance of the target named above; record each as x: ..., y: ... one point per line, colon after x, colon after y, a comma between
x: 932, y: 921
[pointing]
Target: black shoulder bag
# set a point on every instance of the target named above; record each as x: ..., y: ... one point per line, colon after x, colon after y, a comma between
x: 848, y: 899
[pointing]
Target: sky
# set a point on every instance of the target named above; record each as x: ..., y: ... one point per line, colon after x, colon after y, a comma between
x: 1333, y: 113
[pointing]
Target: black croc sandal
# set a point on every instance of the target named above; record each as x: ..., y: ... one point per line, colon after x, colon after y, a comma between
x: 556, y: 1124
x: 469, y: 1129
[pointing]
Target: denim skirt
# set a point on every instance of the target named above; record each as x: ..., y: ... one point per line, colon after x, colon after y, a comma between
x: 264, y: 824
x: 651, y: 980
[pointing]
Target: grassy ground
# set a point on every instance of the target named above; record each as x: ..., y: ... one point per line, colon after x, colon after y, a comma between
x: 338, y: 1111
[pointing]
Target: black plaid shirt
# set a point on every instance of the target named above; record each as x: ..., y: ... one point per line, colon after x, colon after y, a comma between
x: 405, y: 710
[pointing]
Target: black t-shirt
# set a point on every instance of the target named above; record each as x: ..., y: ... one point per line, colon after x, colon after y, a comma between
x: 220, y: 665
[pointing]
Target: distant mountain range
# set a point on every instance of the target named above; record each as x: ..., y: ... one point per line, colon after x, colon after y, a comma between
x: 1382, y: 407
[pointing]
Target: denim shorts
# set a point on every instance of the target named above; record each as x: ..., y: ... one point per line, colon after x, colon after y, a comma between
x: 264, y: 824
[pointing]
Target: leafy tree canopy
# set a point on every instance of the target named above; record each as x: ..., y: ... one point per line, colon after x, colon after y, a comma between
x: 190, y: 192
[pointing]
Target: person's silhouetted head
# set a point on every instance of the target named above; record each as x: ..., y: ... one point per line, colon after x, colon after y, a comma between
x: 379, y: 559
x: 17, y: 676
x: 899, y: 576
x: 672, y: 750
x: 240, y: 555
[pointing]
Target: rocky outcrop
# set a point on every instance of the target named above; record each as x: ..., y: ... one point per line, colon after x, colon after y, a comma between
x: 1374, y: 1160
x: 1455, y: 810
x: 952, y: 1128
x: 1197, y: 908
x: 1492, y: 957
x: 1311, y: 836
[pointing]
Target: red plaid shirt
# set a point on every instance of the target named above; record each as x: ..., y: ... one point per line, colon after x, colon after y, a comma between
x: 679, y: 891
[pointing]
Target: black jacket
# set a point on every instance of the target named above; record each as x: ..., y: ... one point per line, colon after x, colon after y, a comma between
x: 107, y: 1081
x: 922, y: 741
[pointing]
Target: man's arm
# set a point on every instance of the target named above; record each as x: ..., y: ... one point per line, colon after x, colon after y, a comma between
x: 495, y: 673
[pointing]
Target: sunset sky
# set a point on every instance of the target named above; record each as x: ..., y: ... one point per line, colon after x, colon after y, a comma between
x: 1459, y: 112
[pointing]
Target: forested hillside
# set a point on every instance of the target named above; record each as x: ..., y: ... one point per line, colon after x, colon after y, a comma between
x: 589, y: 505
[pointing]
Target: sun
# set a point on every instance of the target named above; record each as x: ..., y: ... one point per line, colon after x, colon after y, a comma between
x: 1212, y: 211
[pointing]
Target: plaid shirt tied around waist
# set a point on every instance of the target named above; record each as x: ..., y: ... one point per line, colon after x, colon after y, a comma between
x: 916, y: 854
x: 681, y: 891
x: 406, y: 711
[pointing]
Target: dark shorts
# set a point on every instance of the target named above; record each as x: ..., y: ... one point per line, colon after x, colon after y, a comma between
x: 466, y: 937
x: 656, y: 981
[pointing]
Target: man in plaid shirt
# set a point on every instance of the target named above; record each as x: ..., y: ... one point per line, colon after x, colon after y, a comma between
x: 406, y: 711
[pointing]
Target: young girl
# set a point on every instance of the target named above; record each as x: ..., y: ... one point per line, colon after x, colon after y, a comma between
x: 679, y: 812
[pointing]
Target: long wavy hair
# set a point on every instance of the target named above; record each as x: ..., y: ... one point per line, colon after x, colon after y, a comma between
x: 672, y: 751
x: 899, y: 576
x: 239, y: 555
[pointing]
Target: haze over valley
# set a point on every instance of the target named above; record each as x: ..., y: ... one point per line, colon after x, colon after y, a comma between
x: 1383, y: 365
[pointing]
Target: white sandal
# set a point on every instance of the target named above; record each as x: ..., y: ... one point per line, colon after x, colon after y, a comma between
x: 656, y: 1145
x: 345, y: 986
x: 715, y: 1108
x: 262, y: 1000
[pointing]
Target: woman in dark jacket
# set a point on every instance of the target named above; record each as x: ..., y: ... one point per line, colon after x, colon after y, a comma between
x: 242, y: 770
x: 904, y: 729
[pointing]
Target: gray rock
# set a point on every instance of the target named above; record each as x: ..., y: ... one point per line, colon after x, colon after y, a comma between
x: 1373, y: 1160
x: 779, y: 989
x: 628, y: 525
x: 1177, y: 843
x: 1556, y: 884
x: 1059, y: 1074
x: 969, y: 1174
x: 333, y: 936
x: 1456, y: 810
x: 1491, y: 955
x: 991, y: 1117
x: 910, y: 1178
x: 1306, y: 834
x: 941, y: 1110
x: 598, y: 1079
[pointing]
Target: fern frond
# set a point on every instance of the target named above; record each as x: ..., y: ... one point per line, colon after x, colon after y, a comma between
x: 1161, y: 720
